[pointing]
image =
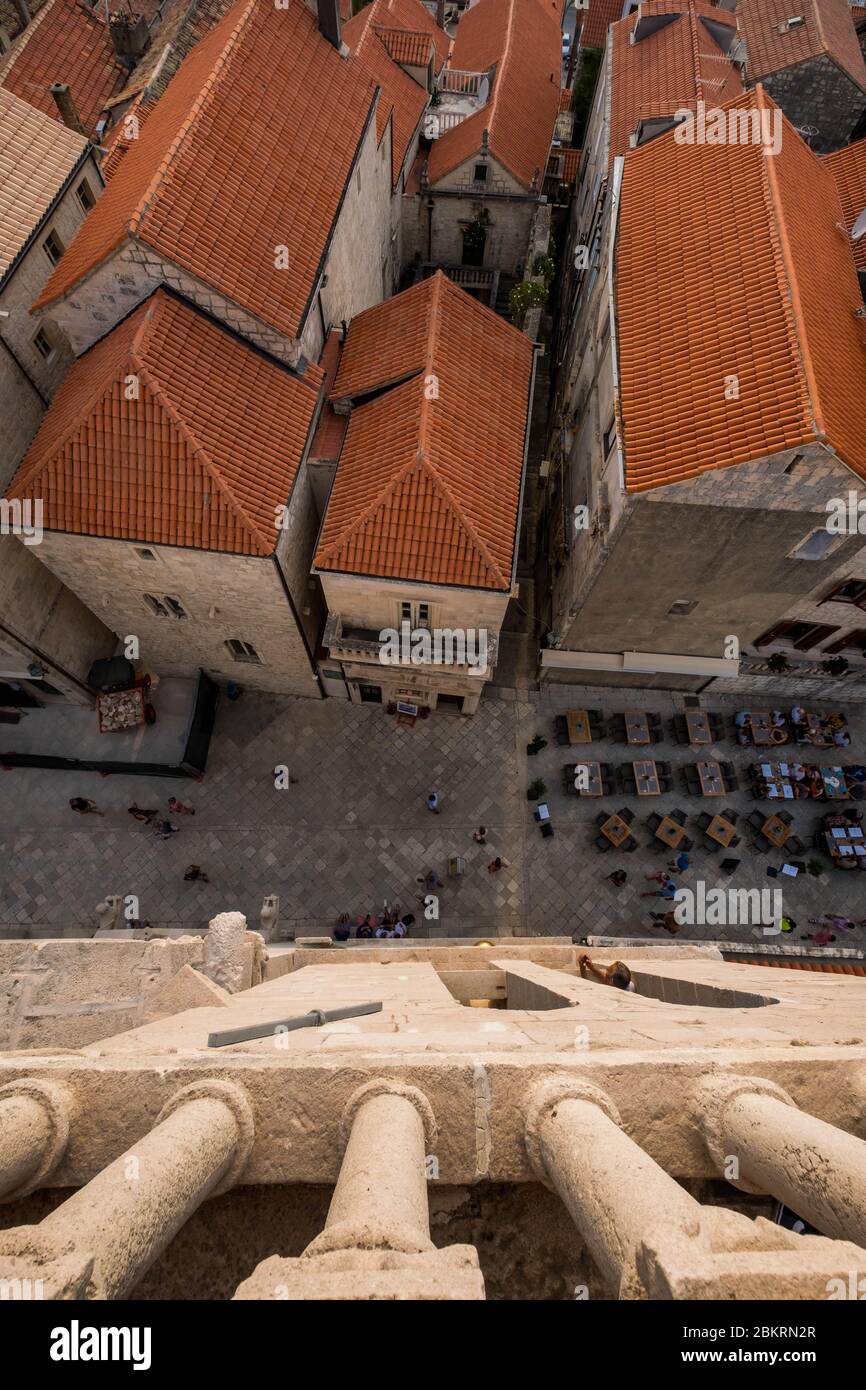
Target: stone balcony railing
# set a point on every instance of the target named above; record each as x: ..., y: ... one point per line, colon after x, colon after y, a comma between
x: 347, y: 643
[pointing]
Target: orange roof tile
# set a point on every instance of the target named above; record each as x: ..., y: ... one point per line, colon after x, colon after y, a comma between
x: 766, y: 294
x: 570, y: 163
x: 201, y: 458
x: 229, y: 167
x: 828, y: 28
x: 521, y: 39
x: 429, y: 489
x: 409, y: 15
x: 596, y: 21
x: 413, y: 49
x: 401, y: 98
x: 848, y: 167
x: 36, y: 159
x: 66, y: 42
x: 669, y: 69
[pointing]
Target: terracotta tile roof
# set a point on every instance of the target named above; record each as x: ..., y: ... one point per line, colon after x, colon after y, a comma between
x: 828, y: 28
x: 670, y: 69
x: 767, y: 294
x: 413, y: 49
x: 331, y: 429
x: 848, y: 167
x: 228, y: 167
x: 429, y: 489
x: 202, y: 458
x: 565, y: 97
x: 596, y: 21
x: 36, y: 159
x: 858, y: 13
x: 412, y: 15
x: 821, y: 966
x: 570, y: 162
x: 401, y: 98
x: 522, y: 40
x: 66, y: 42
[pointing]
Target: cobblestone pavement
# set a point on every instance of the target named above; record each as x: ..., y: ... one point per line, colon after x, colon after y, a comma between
x: 354, y: 829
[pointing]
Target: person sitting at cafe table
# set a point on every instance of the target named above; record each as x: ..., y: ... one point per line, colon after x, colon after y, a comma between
x: 743, y: 722
x: 777, y: 718
x: 798, y: 715
x: 841, y: 738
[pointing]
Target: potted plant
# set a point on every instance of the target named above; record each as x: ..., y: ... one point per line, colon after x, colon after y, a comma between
x: 536, y: 790
x: 524, y: 295
x: 536, y: 745
x: 778, y: 662
x: 835, y: 666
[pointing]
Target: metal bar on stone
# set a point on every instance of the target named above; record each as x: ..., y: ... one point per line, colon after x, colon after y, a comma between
x: 314, y: 1019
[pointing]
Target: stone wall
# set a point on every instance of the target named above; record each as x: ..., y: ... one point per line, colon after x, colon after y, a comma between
x: 820, y: 95
x: 246, y: 593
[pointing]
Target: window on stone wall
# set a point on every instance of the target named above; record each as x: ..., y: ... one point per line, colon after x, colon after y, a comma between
x: 243, y: 651
x: 53, y: 247
x: 816, y: 546
x: 850, y: 591
x: 480, y: 174
x: 85, y: 196
x: 802, y: 636
x: 852, y: 642
x: 609, y: 437
x: 682, y: 607
x: 43, y: 345
x: 165, y: 606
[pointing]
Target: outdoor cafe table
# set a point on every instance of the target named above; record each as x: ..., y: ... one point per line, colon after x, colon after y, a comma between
x: 834, y: 783
x: 816, y: 738
x: 636, y: 726
x: 587, y: 779
x: 647, y: 779
x: 578, y: 726
x: 712, y: 782
x: 764, y: 730
x: 698, y: 726
x: 670, y: 831
x: 779, y: 781
x: 616, y: 830
x: 721, y: 830
x: 776, y: 831
x: 846, y: 842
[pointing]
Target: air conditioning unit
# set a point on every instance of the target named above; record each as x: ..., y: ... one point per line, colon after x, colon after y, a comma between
x: 544, y: 470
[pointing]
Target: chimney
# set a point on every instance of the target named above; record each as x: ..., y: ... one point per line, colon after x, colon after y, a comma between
x: 440, y: 13
x: 129, y: 34
x: 329, y: 22
x: 67, y: 108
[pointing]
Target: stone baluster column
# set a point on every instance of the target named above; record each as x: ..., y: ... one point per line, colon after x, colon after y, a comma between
x: 380, y: 1200
x: 34, y: 1132
x: 114, y: 1227
x: 613, y: 1190
x: 817, y: 1170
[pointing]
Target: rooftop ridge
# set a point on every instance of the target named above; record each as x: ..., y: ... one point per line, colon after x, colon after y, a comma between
x: 220, y: 66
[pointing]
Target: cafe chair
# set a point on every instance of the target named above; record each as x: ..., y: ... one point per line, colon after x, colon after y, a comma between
x: 602, y: 845
x: 562, y: 738
x: 664, y: 769
x: 678, y: 815
x: 560, y: 724
x: 598, y: 731
x: 625, y: 814
x: 654, y: 821
x: 794, y: 845
x: 686, y: 843
x: 736, y: 840
x: 729, y: 814
x: 756, y: 820
x: 595, y: 716
x: 665, y: 784
x: 704, y: 820
x: 630, y: 845
x: 602, y: 817
x: 785, y: 816
x: 628, y: 783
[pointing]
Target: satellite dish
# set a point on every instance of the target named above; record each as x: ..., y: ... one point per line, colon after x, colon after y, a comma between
x: 859, y: 228
x: 483, y: 91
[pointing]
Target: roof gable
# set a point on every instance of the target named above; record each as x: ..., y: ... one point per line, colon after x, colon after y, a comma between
x: 828, y: 27
x: 67, y: 41
x: 36, y: 158
x: 170, y: 430
x: 428, y: 483
x: 228, y: 167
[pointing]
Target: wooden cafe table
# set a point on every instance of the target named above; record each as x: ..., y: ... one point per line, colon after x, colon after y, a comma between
x: 616, y: 830
x: 577, y: 721
x: 647, y: 779
x: 593, y: 778
x: 670, y: 832
x: 776, y: 831
x: 720, y: 830
x: 712, y: 782
x: 764, y: 730
x: 698, y: 726
x: 636, y: 726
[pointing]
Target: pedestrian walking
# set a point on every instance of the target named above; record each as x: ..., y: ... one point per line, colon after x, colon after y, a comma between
x: 431, y: 880
x: 433, y: 803
x: 681, y: 863
x: 618, y: 877
x: 496, y: 864
x: 195, y: 875
x: 84, y: 806
x: 164, y: 829
x: 179, y: 808
x: 480, y: 835
x: 666, y: 889
x: 138, y: 813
